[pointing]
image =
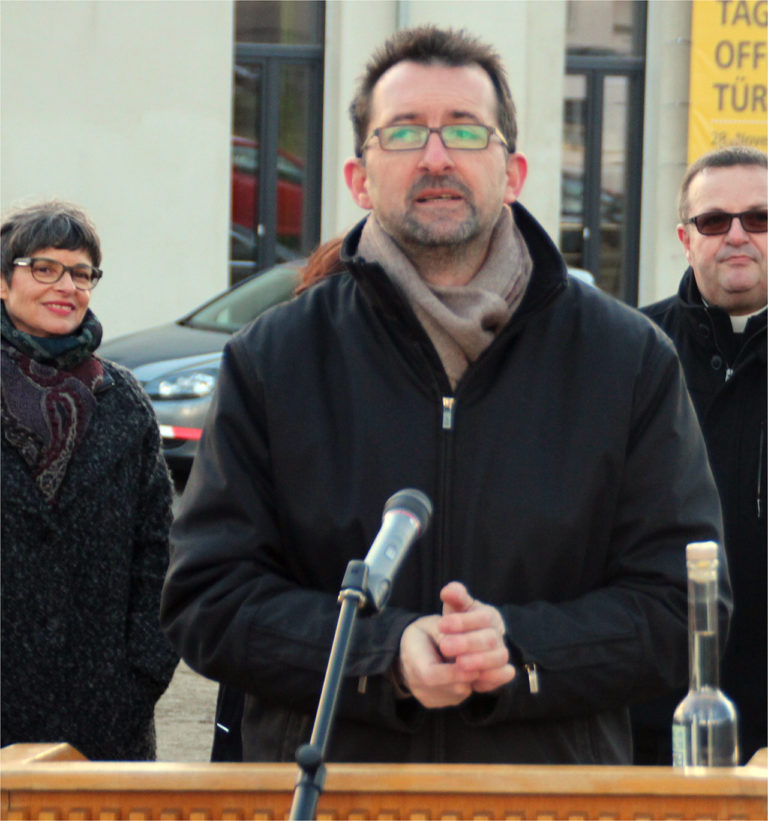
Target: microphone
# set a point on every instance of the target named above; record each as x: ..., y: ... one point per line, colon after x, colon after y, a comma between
x: 405, y: 518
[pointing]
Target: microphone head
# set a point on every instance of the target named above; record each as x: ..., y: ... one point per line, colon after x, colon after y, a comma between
x: 414, y: 502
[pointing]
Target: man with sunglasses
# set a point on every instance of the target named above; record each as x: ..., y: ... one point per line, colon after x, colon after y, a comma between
x: 449, y: 351
x: 717, y: 321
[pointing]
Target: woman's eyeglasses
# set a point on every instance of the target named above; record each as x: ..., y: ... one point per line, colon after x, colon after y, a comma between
x: 719, y: 222
x: 48, y: 271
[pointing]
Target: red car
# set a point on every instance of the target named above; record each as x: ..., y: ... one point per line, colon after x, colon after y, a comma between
x: 245, y: 189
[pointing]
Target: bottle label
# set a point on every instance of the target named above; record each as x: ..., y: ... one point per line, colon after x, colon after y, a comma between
x: 679, y: 746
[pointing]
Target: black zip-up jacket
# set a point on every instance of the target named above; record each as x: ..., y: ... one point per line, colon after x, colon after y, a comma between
x: 567, y: 472
x: 726, y: 377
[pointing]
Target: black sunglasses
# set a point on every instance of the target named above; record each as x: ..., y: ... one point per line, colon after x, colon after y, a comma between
x: 719, y: 222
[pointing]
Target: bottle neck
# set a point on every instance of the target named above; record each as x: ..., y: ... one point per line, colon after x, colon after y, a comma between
x: 702, y: 631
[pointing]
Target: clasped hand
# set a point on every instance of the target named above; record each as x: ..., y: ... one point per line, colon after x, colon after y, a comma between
x: 445, y: 658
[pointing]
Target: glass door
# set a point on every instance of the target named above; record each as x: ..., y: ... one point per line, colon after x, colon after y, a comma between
x: 298, y: 144
x: 602, y: 141
x: 594, y: 234
x: 276, y: 133
x: 245, y: 223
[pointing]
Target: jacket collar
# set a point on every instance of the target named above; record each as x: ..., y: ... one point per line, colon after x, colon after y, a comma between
x: 710, y: 320
x: 705, y: 320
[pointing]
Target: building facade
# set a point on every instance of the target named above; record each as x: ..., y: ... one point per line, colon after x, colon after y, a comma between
x: 206, y: 138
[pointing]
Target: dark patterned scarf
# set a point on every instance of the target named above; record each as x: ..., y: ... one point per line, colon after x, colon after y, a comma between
x: 47, y: 397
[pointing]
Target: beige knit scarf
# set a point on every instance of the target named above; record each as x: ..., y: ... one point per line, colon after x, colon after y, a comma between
x: 461, y: 321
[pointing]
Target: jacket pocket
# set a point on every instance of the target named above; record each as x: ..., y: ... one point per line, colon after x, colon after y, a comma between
x: 298, y: 729
x: 271, y: 732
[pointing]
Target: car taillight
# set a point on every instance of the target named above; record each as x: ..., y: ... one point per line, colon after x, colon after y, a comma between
x: 172, y: 432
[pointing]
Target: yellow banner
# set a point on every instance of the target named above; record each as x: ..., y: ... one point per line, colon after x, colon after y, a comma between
x: 728, y: 75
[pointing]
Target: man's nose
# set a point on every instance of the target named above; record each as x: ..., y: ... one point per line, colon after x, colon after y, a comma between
x: 736, y: 234
x: 435, y: 155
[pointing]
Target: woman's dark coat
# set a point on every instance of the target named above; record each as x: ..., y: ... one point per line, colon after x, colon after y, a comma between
x: 83, y: 658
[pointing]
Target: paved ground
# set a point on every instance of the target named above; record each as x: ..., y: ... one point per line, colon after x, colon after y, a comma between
x: 184, y: 717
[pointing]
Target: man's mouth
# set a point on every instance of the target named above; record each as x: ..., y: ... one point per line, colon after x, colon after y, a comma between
x: 438, y: 197
x: 61, y: 307
x: 737, y: 256
x: 739, y: 259
x: 436, y: 189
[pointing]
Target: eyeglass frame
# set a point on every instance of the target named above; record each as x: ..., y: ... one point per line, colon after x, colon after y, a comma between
x: 28, y: 262
x: 491, y: 131
x: 730, y: 216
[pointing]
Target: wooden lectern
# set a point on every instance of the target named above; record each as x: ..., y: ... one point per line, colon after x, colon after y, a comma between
x: 53, y: 781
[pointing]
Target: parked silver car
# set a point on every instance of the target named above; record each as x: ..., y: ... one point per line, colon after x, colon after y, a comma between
x: 178, y: 363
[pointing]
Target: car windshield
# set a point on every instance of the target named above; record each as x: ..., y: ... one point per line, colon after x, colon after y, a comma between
x: 238, y: 306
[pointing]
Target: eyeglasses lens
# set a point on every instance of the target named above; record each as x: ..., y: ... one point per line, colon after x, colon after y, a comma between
x: 465, y: 136
x: 45, y: 271
x: 49, y: 271
x: 403, y: 138
x: 753, y: 222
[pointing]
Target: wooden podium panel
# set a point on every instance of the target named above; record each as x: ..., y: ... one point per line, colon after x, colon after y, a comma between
x: 56, y: 782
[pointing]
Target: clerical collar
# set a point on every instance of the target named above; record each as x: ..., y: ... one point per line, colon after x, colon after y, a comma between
x: 738, y: 323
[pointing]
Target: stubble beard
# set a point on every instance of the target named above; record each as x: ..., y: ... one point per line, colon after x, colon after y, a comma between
x: 442, y: 240
x: 444, y: 233
x: 440, y: 231
x: 446, y: 246
x: 445, y: 240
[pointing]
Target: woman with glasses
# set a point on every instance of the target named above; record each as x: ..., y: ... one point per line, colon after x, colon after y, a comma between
x: 86, y: 506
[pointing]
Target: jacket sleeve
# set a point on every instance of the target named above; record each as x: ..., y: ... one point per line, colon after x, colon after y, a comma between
x: 234, y: 603
x: 626, y: 640
x: 149, y: 651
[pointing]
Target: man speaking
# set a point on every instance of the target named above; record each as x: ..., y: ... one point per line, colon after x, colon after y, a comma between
x: 548, y: 424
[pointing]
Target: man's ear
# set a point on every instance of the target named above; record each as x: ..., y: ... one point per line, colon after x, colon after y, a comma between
x: 3, y: 287
x: 357, y: 181
x: 685, y: 238
x: 517, y: 171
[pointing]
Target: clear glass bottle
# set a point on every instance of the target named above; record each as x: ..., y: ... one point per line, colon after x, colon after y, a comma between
x: 705, y: 723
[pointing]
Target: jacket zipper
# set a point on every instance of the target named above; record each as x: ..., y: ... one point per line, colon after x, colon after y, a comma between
x: 448, y: 414
x: 760, y: 450
x: 447, y: 417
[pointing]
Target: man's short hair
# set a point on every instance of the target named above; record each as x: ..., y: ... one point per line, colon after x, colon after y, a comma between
x: 427, y: 45
x: 51, y: 224
x: 720, y: 158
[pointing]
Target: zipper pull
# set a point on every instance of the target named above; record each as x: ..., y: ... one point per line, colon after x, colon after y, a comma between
x: 533, y: 677
x: 728, y: 373
x: 448, y: 403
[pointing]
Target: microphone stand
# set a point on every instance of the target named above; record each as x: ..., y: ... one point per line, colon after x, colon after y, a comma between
x: 310, y: 757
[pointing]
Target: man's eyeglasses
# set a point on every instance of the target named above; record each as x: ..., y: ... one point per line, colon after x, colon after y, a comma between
x: 719, y: 222
x: 462, y: 136
x: 49, y: 271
